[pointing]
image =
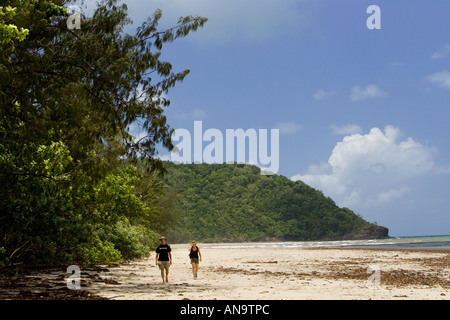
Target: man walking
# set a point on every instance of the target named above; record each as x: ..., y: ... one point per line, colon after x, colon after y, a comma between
x: 164, y: 259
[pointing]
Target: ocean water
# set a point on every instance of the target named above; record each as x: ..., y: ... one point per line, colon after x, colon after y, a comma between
x: 441, y: 242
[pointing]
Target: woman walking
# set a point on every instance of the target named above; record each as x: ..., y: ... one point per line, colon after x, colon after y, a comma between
x: 196, y: 257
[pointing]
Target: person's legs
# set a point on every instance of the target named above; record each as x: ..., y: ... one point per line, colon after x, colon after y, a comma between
x: 164, y: 265
x: 193, y: 269
x: 162, y: 274
x: 167, y: 274
x: 196, y: 268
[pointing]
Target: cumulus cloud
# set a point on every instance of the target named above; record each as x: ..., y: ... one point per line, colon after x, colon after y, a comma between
x: 440, y: 78
x: 346, y: 129
x: 442, y: 53
x: 321, y: 94
x: 371, y: 91
x: 288, y: 127
x: 391, y: 194
x: 370, y: 169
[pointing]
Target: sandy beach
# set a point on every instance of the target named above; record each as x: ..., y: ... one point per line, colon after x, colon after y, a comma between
x: 263, y: 273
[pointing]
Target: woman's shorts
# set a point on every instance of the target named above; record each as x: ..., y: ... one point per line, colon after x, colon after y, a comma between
x: 194, y: 260
x: 163, y: 265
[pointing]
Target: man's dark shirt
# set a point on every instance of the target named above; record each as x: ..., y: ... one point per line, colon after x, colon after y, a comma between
x: 163, y: 251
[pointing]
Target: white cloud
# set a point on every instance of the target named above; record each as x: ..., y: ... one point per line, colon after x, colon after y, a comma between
x: 441, y: 78
x: 346, y: 130
x: 288, y: 127
x: 442, y: 53
x: 230, y: 20
x: 392, y: 194
x: 320, y: 169
x: 135, y: 129
x: 370, y: 169
x: 371, y: 91
x: 321, y: 94
x: 194, y: 114
x: 165, y: 157
x: 445, y: 169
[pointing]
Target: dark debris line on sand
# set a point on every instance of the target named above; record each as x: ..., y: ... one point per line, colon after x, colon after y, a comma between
x: 45, y: 284
x: 431, y: 274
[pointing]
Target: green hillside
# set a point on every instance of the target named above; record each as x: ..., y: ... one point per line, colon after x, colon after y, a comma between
x: 223, y: 202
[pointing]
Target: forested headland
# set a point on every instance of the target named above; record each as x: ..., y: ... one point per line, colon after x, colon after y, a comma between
x: 226, y: 202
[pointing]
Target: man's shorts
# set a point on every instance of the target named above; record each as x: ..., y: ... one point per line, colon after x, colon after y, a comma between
x: 163, y: 265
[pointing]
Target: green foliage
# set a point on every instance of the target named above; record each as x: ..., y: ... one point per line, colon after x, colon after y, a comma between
x: 72, y: 187
x: 134, y: 241
x: 100, y: 252
x: 10, y: 32
x: 224, y: 202
x: 3, y: 259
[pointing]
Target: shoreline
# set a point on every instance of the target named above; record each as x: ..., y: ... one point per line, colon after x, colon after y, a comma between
x: 254, y: 274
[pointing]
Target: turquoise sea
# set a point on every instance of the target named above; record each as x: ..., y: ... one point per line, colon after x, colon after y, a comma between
x: 441, y: 242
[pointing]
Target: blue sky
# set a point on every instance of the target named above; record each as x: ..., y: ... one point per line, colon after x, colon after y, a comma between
x: 363, y: 114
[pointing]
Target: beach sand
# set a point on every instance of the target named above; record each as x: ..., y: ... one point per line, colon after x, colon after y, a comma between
x: 267, y: 274
x: 286, y: 273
